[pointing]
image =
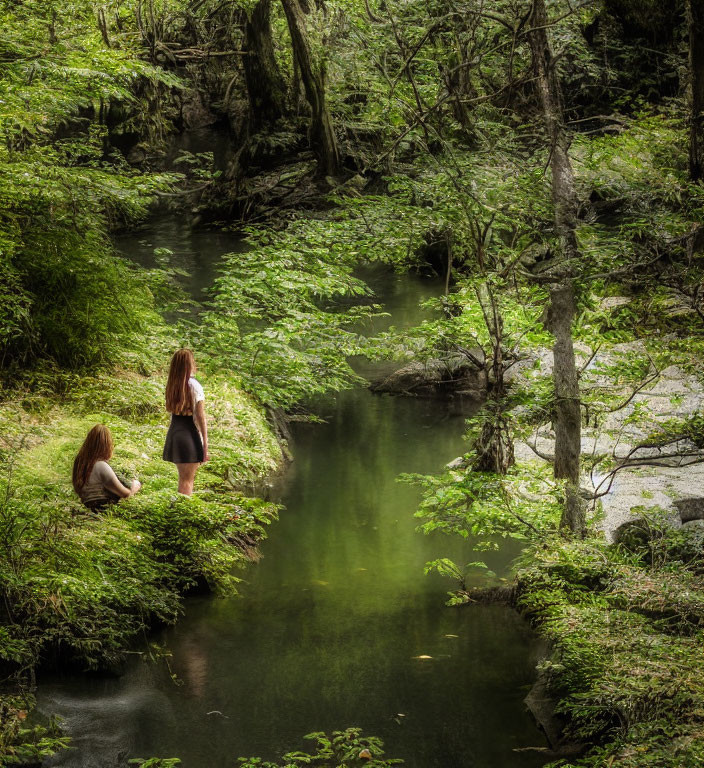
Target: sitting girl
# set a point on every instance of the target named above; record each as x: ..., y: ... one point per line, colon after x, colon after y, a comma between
x: 93, y: 478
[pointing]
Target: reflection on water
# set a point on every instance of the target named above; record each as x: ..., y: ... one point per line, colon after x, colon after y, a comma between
x: 196, y: 252
x: 330, y: 624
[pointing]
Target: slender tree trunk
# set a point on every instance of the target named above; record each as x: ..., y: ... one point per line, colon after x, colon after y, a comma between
x: 266, y: 88
x: 563, y: 305
x: 103, y: 26
x: 695, y: 18
x: 52, y: 29
x: 494, y: 446
x: 322, y: 134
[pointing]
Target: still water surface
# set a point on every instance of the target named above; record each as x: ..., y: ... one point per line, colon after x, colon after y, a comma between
x: 329, y: 624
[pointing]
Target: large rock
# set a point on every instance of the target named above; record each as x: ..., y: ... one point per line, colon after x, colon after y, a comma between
x: 434, y: 378
x: 194, y: 112
x: 677, y: 491
x: 691, y: 510
x: 543, y: 706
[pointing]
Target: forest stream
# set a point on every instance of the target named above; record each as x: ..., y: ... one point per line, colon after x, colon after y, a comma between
x: 545, y: 160
x: 330, y: 626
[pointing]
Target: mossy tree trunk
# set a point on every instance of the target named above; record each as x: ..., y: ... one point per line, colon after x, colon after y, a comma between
x: 265, y: 85
x: 695, y: 18
x: 563, y: 305
x: 313, y: 74
x: 266, y: 88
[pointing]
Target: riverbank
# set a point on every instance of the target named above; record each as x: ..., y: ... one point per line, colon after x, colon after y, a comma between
x: 623, y: 677
x: 80, y: 588
x: 620, y: 683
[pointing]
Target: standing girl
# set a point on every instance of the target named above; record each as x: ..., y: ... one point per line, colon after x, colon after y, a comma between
x: 187, y: 439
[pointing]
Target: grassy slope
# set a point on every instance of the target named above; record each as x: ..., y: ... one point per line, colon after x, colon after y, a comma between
x: 80, y: 587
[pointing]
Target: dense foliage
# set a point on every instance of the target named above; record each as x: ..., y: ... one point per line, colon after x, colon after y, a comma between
x: 62, y: 189
x: 625, y: 628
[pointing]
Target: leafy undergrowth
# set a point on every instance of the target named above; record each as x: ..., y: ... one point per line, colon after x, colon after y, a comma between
x: 343, y: 748
x: 78, y: 588
x: 348, y: 748
x: 627, y: 631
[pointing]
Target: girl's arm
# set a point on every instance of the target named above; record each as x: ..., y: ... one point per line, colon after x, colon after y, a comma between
x: 112, y: 484
x: 201, y: 423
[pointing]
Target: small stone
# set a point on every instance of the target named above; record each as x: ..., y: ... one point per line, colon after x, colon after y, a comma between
x: 613, y: 302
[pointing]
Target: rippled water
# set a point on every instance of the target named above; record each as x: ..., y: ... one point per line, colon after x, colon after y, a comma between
x: 329, y: 624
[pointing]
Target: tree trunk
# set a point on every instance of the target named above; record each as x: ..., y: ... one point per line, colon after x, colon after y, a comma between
x: 494, y: 446
x: 563, y: 306
x: 695, y: 18
x: 321, y: 134
x: 103, y: 26
x: 567, y: 410
x: 266, y: 88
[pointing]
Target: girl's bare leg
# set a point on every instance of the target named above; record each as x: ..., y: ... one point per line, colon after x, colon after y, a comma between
x: 186, y: 476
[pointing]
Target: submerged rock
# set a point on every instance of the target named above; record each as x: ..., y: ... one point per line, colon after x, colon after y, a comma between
x: 542, y: 705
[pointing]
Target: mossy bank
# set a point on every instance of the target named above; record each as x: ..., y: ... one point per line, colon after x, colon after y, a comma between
x: 624, y: 625
x: 80, y: 589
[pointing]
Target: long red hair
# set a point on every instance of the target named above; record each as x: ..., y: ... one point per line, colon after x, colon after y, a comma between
x: 178, y: 393
x: 96, y: 447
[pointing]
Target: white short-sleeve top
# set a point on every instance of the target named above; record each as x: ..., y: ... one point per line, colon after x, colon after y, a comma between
x: 197, y: 394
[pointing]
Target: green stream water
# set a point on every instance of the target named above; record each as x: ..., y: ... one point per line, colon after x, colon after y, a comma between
x: 329, y: 624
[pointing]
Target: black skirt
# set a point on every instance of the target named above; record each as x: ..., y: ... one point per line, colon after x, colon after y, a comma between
x: 183, y: 444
